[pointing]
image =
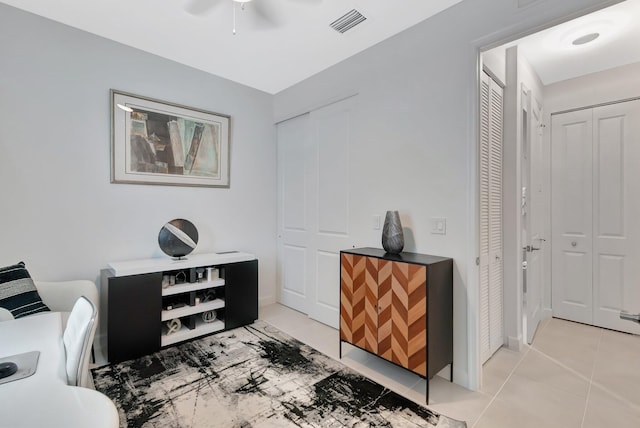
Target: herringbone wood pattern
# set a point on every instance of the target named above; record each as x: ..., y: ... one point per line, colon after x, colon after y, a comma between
x: 402, y: 316
x: 358, y: 301
x: 371, y: 305
x: 384, y: 309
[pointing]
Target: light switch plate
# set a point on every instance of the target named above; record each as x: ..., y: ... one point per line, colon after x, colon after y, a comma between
x: 439, y: 226
x: 375, y: 222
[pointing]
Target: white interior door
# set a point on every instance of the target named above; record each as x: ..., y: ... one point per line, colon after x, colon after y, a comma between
x: 294, y: 225
x: 616, y: 213
x: 571, y: 217
x: 533, y: 216
x: 596, y: 194
x: 331, y: 131
x: 313, y: 209
x: 490, y: 167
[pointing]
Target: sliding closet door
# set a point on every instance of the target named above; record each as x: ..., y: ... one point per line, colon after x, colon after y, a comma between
x: 313, y: 209
x: 491, y: 277
x: 331, y: 132
x: 295, y: 147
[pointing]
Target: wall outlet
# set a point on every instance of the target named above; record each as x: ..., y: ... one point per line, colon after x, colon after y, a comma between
x: 439, y: 226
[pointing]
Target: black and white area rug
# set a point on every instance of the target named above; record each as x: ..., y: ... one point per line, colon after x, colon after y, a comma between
x: 254, y: 376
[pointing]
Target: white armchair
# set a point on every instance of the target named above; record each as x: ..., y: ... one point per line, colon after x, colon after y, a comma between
x: 77, y: 339
x: 60, y: 296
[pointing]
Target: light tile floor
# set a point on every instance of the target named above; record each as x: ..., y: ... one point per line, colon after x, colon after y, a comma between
x: 572, y: 376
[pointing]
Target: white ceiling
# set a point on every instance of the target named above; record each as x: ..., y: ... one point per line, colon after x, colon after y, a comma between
x: 555, y: 58
x: 278, y: 42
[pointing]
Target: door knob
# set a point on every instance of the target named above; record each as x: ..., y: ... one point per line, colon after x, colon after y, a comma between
x: 574, y: 243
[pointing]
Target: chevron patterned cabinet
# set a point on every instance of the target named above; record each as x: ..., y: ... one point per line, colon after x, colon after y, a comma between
x: 398, y: 307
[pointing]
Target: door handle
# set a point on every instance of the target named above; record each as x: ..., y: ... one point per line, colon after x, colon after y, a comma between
x: 630, y: 317
x: 530, y: 248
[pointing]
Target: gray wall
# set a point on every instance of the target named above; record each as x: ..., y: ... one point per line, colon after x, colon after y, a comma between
x: 415, y: 134
x: 59, y: 211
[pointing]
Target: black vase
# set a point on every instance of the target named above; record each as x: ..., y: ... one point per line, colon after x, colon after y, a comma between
x: 392, y: 236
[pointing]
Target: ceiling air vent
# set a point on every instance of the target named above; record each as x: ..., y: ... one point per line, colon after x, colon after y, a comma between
x: 347, y: 21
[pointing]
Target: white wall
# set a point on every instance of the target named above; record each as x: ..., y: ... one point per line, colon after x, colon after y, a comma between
x: 59, y: 211
x: 511, y: 218
x: 415, y: 135
x: 494, y: 62
x: 619, y: 83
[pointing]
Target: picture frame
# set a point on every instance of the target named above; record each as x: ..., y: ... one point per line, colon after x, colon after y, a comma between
x: 163, y: 143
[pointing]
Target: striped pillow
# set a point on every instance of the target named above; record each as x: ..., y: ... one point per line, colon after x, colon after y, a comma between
x: 18, y: 293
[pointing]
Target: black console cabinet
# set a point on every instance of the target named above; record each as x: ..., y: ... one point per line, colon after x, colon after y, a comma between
x: 135, y: 303
x: 139, y: 302
x: 398, y: 307
x: 241, y: 291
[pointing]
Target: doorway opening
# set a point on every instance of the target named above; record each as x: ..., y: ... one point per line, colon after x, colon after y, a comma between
x: 544, y: 75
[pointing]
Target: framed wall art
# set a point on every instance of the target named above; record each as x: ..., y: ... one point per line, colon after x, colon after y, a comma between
x: 156, y: 142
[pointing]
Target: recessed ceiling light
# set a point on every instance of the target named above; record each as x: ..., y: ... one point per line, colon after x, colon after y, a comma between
x: 585, y: 39
x: 589, y: 31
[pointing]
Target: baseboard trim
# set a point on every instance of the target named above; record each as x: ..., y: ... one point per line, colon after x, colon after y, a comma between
x: 266, y: 301
x: 515, y: 343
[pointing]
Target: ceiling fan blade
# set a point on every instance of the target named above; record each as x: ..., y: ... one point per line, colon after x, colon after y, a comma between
x: 200, y: 7
x: 267, y: 12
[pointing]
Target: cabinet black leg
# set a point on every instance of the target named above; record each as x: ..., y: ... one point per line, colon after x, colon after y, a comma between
x: 340, y: 350
x: 451, y: 376
x: 427, y: 392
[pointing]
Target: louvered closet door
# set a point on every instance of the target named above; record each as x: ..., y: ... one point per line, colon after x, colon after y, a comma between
x: 403, y: 315
x: 491, y: 270
x: 359, y: 301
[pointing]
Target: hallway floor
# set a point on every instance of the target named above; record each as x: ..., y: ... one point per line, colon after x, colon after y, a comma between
x: 572, y: 376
